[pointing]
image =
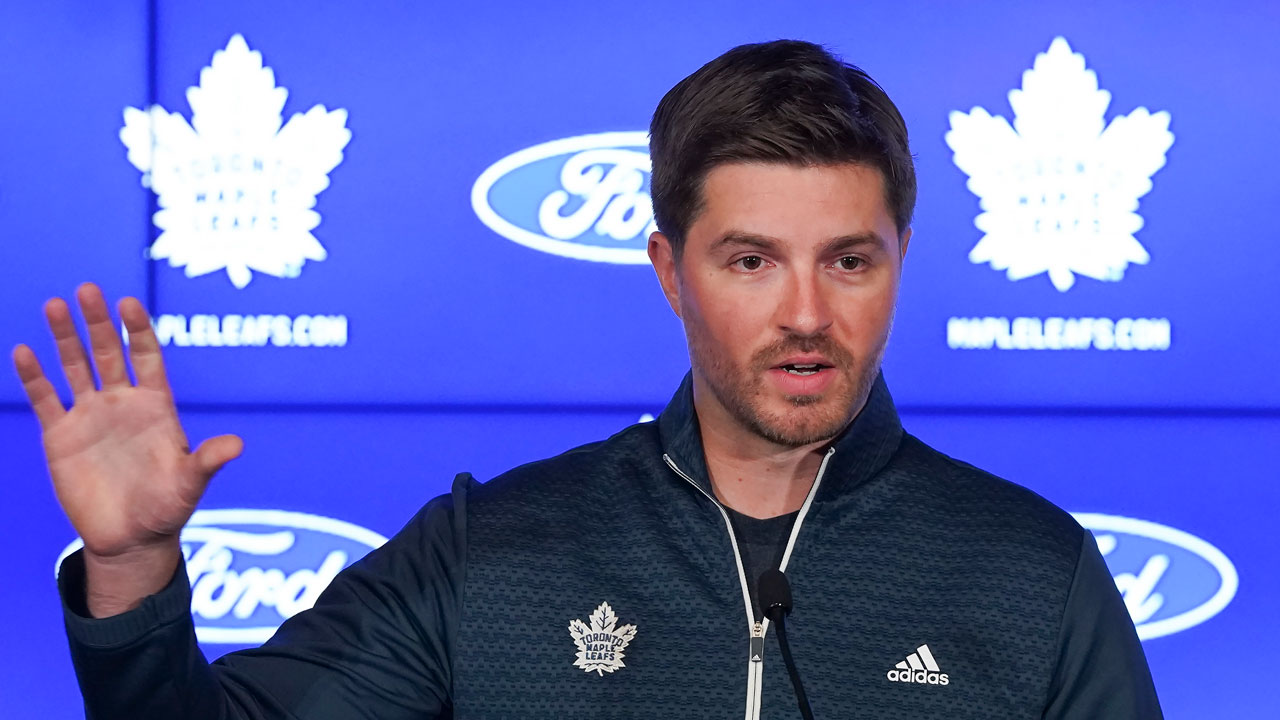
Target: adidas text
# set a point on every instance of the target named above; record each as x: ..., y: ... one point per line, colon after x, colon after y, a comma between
x: 923, y: 677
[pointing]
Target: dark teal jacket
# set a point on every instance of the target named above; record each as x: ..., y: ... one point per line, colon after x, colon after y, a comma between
x: 604, y: 583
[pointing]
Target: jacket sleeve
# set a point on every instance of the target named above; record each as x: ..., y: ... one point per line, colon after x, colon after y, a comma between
x: 1102, y: 672
x: 377, y: 643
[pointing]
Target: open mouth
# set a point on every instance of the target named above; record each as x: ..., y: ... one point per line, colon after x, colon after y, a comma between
x: 803, y: 370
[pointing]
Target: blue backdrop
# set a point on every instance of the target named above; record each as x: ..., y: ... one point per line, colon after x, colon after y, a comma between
x: 388, y: 244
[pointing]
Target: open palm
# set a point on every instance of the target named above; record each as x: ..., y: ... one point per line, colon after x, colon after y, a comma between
x: 119, y: 459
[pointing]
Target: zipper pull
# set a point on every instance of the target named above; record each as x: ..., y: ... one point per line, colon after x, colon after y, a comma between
x: 757, y: 643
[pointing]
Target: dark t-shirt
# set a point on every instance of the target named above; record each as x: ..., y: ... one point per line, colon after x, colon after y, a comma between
x: 761, y: 542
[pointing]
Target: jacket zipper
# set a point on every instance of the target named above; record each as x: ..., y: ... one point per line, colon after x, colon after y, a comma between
x: 755, y: 650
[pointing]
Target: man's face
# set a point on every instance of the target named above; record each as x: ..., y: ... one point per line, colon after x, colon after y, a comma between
x: 786, y: 286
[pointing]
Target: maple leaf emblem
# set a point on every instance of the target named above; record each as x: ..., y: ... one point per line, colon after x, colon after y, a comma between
x: 1059, y: 188
x: 236, y: 190
x: 600, y: 646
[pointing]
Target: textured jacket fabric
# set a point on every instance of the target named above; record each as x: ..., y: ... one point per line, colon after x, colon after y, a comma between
x: 924, y: 588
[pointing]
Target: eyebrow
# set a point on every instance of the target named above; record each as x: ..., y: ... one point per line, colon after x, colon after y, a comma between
x: 739, y: 239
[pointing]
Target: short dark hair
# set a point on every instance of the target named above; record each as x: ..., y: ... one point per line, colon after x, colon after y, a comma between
x: 786, y: 101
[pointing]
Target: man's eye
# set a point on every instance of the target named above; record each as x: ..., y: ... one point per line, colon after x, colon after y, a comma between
x: 849, y: 262
x: 751, y: 262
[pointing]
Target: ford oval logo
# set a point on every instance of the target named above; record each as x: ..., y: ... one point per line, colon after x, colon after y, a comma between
x: 584, y: 197
x: 1170, y: 580
x: 250, y: 570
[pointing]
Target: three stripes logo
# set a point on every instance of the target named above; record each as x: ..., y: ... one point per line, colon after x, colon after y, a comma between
x: 919, y: 667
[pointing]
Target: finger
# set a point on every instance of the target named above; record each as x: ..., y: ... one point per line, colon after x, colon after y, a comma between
x: 216, y: 452
x: 108, y: 356
x: 144, y: 349
x: 40, y: 393
x: 75, y: 363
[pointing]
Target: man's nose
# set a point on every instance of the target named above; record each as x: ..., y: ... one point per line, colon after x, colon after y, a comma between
x: 804, y: 308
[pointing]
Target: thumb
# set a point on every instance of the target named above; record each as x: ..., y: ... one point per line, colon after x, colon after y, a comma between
x: 216, y: 452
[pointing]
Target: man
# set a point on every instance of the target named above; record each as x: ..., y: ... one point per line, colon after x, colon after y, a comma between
x: 784, y: 188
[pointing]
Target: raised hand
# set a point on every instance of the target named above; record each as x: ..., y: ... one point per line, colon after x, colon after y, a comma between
x: 119, y: 460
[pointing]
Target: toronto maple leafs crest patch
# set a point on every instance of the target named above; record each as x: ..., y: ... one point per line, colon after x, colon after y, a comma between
x: 601, y: 644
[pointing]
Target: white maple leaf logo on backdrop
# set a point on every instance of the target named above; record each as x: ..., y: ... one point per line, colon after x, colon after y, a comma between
x: 1059, y: 188
x: 600, y: 646
x: 236, y: 190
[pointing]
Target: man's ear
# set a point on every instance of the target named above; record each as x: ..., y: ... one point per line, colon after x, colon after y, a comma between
x: 902, y: 245
x: 662, y: 255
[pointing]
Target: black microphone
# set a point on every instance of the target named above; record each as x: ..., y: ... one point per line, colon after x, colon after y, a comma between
x: 775, y: 597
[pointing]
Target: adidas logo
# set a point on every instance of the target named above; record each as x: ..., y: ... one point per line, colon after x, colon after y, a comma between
x: 919, y: 667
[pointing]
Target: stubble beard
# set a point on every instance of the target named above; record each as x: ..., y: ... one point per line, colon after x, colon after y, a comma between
x: 810, y: 419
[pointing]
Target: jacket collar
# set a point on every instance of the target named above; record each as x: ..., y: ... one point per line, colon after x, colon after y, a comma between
x: 864, y: 447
